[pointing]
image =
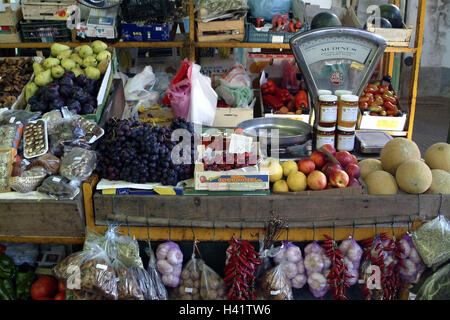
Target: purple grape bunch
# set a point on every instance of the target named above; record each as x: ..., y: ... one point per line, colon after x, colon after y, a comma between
x: 139, y: 152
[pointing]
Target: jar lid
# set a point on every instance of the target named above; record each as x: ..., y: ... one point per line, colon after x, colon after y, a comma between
x: 326, y: 129
x: 328, y: 98
x: 322, y: 92
x: 347, y: 129
x: 342, y: 92
x: 349, y: 98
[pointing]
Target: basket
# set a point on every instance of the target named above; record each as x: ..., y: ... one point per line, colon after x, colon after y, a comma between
x: 253, y: 35
x: 26, y: 184
x: 45, y: 31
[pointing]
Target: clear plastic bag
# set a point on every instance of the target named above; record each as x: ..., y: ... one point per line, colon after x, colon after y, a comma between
x: 214, y: 8
x: 169, y: 262
x: 59, y: 188
x: 160, y: 289
x: 47, y: 161
x: 189, y: 288
x: 127, y: 286
x: 78, y: 164
x: 432, y: 241
x: 290, y: 80
x: 436, y: 286
x: 10, y: 135
x: 212, y: 286
x: 52, y: 118
x: 146, y: 284
x: 268, y: 8
x: 66, y: 132
x: 275, y: 285
x: 90, y: 270
x: 13, y: 116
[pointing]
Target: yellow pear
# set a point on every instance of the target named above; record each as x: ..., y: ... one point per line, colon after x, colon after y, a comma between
x: 297, y: 181
x: 288, y: 167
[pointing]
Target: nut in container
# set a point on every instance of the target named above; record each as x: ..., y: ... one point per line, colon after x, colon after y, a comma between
x: 35, y: 139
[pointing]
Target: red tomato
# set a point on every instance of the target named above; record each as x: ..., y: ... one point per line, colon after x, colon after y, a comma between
x: 44, y: 287
x: 60, y: 296
x: 61, y: 286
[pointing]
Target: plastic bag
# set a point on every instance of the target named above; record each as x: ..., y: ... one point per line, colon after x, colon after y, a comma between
x: 411, y: 263
x: 127, y: 286
x: 290, y: 80
x: 21, y: 253
x: 47, y: 161
x: 160, y: 289
x: 78, y: 164
x: 203, y: 102
x: 169, y: 262
x: 436, y: 286
x: 214, y: 8
x: 275, y: 285
x: 138, y: 92
x: 66, y: 132
x: 10, y: 135
x: 189, y: 288
x: 432, y: 241
x: 145, y: 282
x: 291, y: 257
x: 59, y: 188
x: 268, y: 8
x: 212, y: 286
x: 179, y: 92
x: 90, y: 270
x: 52, y: 118
x: 352, y: 253
x: 14, y: 116
x: 236, y: 77
x: 317, y: 266
x: 240, y: 97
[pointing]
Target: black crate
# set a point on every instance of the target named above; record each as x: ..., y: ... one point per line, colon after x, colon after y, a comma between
x: 45, y: 31
x: 147, y: 11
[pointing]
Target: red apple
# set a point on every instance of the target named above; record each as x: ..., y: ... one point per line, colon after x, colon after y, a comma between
x: 316, y: 180
x: 329, y: 148
x: 318, y: 158
x: 353, y: 171
x: 306, y: 166
x: 330, y: 186
x: 344, y: 158
x: 339, y: 178
x: 353, y: 182
x: 354, y: 160
x: 329, y: 166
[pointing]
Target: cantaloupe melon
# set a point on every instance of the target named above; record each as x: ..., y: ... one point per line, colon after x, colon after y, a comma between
x: 397, y: 151
x: 440, y: 182
x: 413, y: 176
x: 381, y: 182
x: 367, y: 166
x: 438, y: 156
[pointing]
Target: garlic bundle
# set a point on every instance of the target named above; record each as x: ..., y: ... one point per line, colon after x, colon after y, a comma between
x: 317, y: 266
x: 169, y: 260
x: 293, y: 265
x: 352, y: 258
x: 410, y: 260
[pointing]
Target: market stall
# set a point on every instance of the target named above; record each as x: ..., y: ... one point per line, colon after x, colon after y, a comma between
x: 106, y: 154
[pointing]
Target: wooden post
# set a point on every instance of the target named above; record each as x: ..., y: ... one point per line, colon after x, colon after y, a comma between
x: 191, y: 32
x: 420, y: 23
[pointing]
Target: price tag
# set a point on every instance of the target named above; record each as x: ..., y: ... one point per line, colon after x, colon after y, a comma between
x: 188, y: 290
x: 101, y: 266
x: 256, y: 50
x: 56, y: 179
x: 412, y: 296
x: 275, y: 292
x: 26, y: 162
x: 277, y: 39
x: 77, y: 158
x: 240, y: 143
x: 361, y: 281
x: 12, y: 119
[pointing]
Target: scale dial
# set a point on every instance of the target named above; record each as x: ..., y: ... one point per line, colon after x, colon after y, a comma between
x: 337, y: 58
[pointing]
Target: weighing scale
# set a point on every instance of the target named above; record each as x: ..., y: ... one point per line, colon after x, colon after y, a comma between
x: 337, y: 58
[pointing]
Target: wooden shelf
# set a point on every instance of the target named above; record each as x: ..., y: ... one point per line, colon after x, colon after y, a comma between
x: 122, y: 44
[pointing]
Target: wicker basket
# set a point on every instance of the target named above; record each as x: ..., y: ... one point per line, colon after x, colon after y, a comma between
x: 26, y: 184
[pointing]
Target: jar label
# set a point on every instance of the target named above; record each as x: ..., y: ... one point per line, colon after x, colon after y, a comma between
x: 345, y: 143
x: 349, y: 114
x: 328, y: 114
x: 322, y: 140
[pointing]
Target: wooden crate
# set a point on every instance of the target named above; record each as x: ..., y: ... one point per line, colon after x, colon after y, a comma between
x: 10, y: 17
x: 395, y: 37
x: 11, y: 35
x: 42, y: 218
x: 229, y: 30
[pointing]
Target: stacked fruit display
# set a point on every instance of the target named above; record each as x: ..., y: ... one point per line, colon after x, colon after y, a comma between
x: 318, y: 172
x: 380, y: 100
x: 401, y: 167
x: 68, y: 78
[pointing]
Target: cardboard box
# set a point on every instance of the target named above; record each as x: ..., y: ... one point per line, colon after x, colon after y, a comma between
x: 11, y: 15
x: 9, y: 34
x: 159, y: 116
x: 382, y: 123
x: 46, y: 10
x: 147, y: 33
x: 231, y: 117
x: 98, y: 31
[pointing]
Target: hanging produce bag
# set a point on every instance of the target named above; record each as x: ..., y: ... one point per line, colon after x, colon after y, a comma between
x: 160, y: 289
x: 290, y: 256
x: 212, y: 286
x: 189, y: 288
x: 436, y: 286
x: 275, y: 285
x: 145, y: 283
x: 169, y: 262
x: 411, y: 263
x: 127, y: 285
x: 317, y: 266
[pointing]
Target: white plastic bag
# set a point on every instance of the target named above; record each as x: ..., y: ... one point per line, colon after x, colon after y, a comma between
x: 236, y: 78
x: 138, y: 92
x: 203, y: 98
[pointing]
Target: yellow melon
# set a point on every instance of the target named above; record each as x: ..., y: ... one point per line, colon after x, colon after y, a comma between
x: 397, y: 151
x: 438, y: 156
x: 381, y: 182
x: 413, y: 176
x: 440, y: 182
x: 367, y: 166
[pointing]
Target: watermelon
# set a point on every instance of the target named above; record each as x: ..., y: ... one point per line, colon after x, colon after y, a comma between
x: 392, y: 13
x: 384, y: 23
x: 325, y: 19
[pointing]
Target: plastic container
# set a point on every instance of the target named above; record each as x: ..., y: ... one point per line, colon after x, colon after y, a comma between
x: 328, y: 110
x: 348, y: 110
x: 45, y: 31
x: 29, y: 137
x: 345, y: 138
x: 325, y: 135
